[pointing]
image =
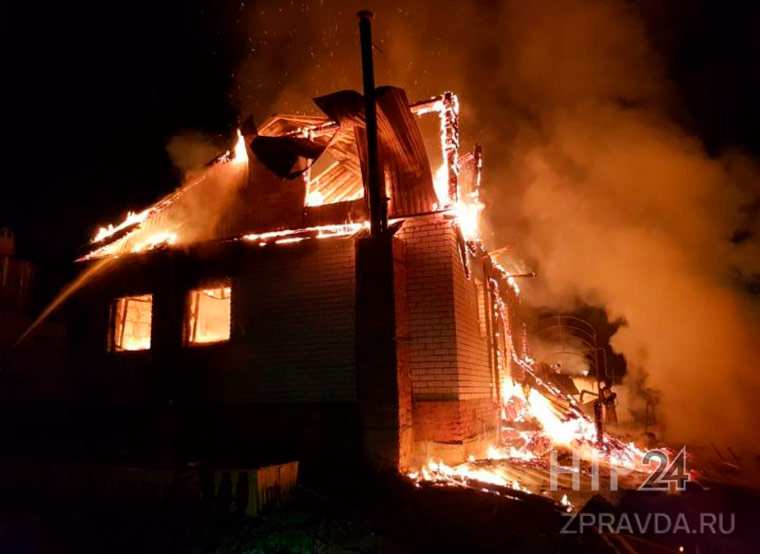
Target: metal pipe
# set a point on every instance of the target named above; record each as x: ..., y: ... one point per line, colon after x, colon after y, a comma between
x: 378, y: 207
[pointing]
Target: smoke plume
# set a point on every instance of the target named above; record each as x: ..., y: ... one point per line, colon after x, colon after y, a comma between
x: 192, y: 150
x: 589, y: 176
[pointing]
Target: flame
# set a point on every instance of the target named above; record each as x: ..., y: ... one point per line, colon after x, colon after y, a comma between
x: 132, y: 322
x: 240, y: 151
x: 561, y: 432
x: 319, y: 232
x: 512, y: 282
x: 467, y: 211
x: 315, y: 198
x: 237, y: 157
x: 565, y: 501
x: 495, y: 453
x: 441, y: 185
x: 289, y: 240
x: 503, y: 464
x: 156, y: 239
x: 209, y: 315
x: 469, y: 474
x: 468, y: 218
x: 439, y: 471
x: 131, y: 219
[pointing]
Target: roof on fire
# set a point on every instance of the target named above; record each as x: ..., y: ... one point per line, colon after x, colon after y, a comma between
x: 301, y: 171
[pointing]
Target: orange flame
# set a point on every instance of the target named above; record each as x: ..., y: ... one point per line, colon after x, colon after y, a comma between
x: 315, y: 198
x: 240, y: 151
x: 156, y: 239
x: 132, y: 218
x: 441, y: 185
x: 502, y: 465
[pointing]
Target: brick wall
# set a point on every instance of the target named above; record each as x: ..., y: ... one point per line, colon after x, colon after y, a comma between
x: 449, y: 350
x: 293, y: 334
x: 284, y: 383
x: 475, y: 376
x: 453, y: 420
x: 448, y: 345
x: 295, y: 316
x: 430, y: 254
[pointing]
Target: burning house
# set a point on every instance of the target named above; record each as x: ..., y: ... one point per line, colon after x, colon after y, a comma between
x: 256, y: 305
x: 320, y: 291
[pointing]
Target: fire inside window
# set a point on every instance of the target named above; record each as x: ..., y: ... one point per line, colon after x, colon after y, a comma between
x: 132, y: 317
x: 208, y: 315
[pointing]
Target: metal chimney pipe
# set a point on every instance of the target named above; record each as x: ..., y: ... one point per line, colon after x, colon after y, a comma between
x: 378, y: 205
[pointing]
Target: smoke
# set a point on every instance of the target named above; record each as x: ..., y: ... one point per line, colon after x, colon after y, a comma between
x: 569, y: 356
x: 208, y: 190
x: 617, y: 206
x: 589, y: 175
x: 191, y: 150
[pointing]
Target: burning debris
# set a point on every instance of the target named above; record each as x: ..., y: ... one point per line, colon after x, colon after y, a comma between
x: 539, y: 424
x: 537, y: 429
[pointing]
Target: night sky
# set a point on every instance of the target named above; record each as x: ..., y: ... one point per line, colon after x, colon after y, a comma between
x: 93, y: 92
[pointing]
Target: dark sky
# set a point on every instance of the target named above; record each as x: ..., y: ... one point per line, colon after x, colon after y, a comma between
x: 92, y: 93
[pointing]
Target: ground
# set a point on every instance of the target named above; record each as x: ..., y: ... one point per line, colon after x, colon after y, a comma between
x: 354, y: 513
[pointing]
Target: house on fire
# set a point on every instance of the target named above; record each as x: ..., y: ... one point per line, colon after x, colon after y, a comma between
x: 249, y: 313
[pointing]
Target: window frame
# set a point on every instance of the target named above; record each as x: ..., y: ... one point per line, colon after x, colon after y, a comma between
x: 112, y: 324
x: 221, y: 283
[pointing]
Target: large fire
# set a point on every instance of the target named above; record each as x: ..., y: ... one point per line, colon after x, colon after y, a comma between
x: 536, y: 418
x: 150, y: 228
x: 525, y: 449
x: 555, y: 427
